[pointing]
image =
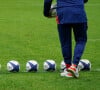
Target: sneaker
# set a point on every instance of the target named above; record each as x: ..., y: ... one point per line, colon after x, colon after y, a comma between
x: 72, y: 69
x: 66, y: 73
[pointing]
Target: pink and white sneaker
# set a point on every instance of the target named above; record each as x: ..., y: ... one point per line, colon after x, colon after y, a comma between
x: 66, y: 74
x: 73, y: 70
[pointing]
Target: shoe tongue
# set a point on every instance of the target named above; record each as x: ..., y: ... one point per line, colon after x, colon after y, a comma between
x: 74, y: 65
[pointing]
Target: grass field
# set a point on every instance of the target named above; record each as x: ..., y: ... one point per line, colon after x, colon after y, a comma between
x: 26, y: 34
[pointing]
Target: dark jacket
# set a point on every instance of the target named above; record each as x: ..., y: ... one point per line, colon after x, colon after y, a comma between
x: 68, y: 11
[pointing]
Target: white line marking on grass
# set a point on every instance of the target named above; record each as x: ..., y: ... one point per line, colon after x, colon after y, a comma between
x: 93, y: 4
x: 37, y: 4
x: 97, y: 70
x: 93, y: 40
x: 88, y: 4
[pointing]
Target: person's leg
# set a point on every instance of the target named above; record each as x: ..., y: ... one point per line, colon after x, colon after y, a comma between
x: 66, y: 44
x: 80, y: 34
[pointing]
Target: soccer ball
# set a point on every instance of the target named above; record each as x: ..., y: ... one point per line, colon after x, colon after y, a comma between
x: 32, y: 65
x: 53, y: 11
x: 84, y: 64
x: 62, y: 65
x: 13, y: 66
x: 49, y: 65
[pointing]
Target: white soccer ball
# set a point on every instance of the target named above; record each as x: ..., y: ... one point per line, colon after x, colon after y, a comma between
x: 62, y: 65
x: 49, y: 65
x: 13, y: 66
x: 84, y: 64
x: 32, y: 65
x: 53, y: 11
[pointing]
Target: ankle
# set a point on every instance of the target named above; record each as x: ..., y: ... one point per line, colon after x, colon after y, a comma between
x: 74, y: 65
x: 68, y: 65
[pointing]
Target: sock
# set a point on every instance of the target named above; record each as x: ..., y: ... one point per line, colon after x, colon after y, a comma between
x: 68, y: 65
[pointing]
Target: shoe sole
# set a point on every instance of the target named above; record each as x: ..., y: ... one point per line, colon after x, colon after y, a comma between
x: 73, y: 73
x: 69, y: 76
x: 64, y: 75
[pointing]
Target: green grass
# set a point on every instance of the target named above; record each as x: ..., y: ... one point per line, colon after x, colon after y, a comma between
x: 26, y: 34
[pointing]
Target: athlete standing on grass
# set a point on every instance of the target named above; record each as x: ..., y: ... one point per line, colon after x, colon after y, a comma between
x: 70, y: 16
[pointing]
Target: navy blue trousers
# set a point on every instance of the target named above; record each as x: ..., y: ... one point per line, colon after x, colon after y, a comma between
x: 65, y: 35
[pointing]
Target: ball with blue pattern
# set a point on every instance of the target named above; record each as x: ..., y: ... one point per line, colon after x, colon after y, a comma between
x: 49, y: 65
x: 32, y: 66
x: 84, y: 64
x: 62, y: 65
x: 13, y: 66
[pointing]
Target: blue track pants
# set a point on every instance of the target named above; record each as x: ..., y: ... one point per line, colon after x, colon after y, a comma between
x: 65, y: 35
